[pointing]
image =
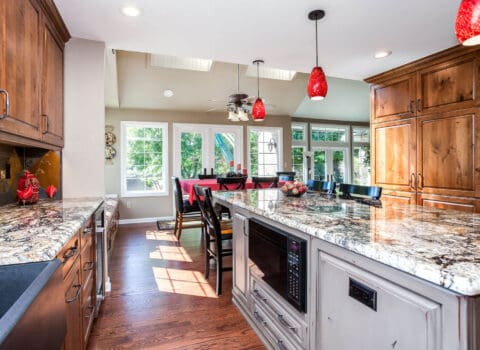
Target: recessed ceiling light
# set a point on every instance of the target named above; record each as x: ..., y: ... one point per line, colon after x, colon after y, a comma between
x: 130, y: 11
x: 168, y: 93
x: 382, y: 54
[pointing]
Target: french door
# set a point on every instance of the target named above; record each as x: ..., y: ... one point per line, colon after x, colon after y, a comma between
x: 200, y: 147
x: 330, y: 164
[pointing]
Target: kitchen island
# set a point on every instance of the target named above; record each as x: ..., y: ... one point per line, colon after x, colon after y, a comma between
x: 396, y: 277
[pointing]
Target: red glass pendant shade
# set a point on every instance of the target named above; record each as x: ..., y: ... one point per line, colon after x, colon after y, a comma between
x: 258, y: 110
x: 317, y: 87
x: 467, y: 26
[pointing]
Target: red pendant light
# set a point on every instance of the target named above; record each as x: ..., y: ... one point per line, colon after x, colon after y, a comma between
x: 258, y: 109
x: 317, y: 87
x: 467, y: 26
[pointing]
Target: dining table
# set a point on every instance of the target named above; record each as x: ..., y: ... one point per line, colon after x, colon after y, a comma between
x: 188, y: 184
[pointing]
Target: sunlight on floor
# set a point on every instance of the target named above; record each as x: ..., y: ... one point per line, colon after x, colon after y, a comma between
x: 171, y: 253
x: 160, y: 236
x: 182, y: 282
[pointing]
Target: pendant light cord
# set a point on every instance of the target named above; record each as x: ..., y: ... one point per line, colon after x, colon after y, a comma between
x: 238, y: 78
x: 258, y: 80
x: 316, y: 41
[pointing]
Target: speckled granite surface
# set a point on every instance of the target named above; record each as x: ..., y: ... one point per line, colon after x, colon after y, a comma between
x: 110, y: 205
x: 440, y: 246
x: 38, y: 232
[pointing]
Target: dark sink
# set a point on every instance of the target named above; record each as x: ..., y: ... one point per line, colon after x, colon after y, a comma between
x: 32, y: 306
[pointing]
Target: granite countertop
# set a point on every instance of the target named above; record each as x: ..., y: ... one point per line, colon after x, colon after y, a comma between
x: 110, y: 205
x: 37, y: 232
x: 440, y: 246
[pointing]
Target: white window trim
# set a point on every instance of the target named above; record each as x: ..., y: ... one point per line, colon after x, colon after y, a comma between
x: 279, y: 131
x: 303, y: 142
x: 207, y: 131
x: 317, y: 144
x: 304, y: 160
x: 123, y: 159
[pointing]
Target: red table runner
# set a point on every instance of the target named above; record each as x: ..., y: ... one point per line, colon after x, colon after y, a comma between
x: 187, y: 186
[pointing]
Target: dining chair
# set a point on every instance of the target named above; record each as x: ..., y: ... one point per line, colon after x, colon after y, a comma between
x: 232, y: 183
x: 216, y: 233
x: 206, y: 177
x: 350, y: 191
x: 327, y: 187
x: 286, y: 175
x: 259, y: 181
x: 184, y: 211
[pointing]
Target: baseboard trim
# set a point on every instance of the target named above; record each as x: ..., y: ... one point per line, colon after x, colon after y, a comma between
x: 144, y: 220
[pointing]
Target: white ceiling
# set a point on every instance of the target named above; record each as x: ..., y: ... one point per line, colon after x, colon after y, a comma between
x: 276, y: 30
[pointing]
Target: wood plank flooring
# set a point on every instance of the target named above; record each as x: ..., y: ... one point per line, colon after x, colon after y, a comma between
x: 161, y: 300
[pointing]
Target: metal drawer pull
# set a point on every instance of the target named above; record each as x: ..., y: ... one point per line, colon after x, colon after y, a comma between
x: 259, y: 318
x: 70, y: 252
x: 75, y: 297
x: 260, y: 296
x: 87, y: 230
x: 88, y: 266
x: 285, y: 323
x: 280, y: 345
x: 89, y: 314
x: 7, y: 104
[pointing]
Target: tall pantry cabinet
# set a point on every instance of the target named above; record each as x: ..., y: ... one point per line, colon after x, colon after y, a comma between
x: 426, y: 132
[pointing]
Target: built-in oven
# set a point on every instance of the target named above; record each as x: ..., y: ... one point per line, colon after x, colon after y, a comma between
x: 280, y: 260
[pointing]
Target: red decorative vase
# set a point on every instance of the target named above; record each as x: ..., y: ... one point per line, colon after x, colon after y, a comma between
x: 28, y: 188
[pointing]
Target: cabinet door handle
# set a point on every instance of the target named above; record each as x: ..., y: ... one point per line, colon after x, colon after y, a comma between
x: 419, y: 105
x: 88, y: 266
x: 420, y: 176
x: 260, y: 296
x: 46, y: 123
x: 7, y: 104
x: 280, y: 344
x: 70, y: 252
x: 285, y: 323
x: 75, y: 297
x: 87, y: 230
x: 90, y: 307
x: 412, y: 181
x: 259, y: 318
x: 411, y: 107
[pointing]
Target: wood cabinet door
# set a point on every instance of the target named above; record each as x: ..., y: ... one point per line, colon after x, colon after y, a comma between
x: 20, y: 66
x: 73, y: 289
x: 52, y: 87
x: 448, y: 85
x: 448, y: 153
x: 393, y: 155
x: 394, y: 99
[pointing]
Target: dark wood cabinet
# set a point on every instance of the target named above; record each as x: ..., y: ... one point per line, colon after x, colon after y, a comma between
x: 432, y: 158
x: 393, y: 99
x: 52, y: 87
x: 20, y: 23
x: 73, y: 289
x: 393, y: 155
x: 32, y: 37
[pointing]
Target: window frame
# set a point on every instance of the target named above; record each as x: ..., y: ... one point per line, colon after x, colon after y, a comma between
x: 274, y: 129
x: 361, y: 144
x: 123, y: 159
x: 304, y: 126
x: 345, y: 143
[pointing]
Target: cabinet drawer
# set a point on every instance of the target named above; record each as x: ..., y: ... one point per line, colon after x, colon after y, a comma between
x: 284, y: 320
x: 86, y: 233
x: 87, y: 262
x: 276, y: 337
x: 373, y: 312
x: 73, y: 288
x: 69, y: 253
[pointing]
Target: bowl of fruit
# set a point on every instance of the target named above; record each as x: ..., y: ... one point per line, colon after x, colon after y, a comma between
x: 293, y: 189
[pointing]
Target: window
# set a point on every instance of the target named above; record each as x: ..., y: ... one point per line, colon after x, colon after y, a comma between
x: 299, y: 146
x: 264, y: 150
x: 200, y: 148
x: 144, y: 159
x: 361, y: 156
x: 330, y: 152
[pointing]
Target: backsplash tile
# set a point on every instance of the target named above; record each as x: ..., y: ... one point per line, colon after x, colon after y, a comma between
x: 44, y: 164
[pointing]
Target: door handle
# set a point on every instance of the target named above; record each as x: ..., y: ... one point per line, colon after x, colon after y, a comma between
x: 7, y: 104
x: 419, y: 105
x: 413, y: 182
x: 46, y: 123
x: 75, y: 297
x: 420, y: 176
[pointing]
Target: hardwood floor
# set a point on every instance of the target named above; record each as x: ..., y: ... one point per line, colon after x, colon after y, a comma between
x: 160, y: 299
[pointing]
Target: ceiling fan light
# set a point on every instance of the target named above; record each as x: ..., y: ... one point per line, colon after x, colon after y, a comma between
x: 232, y: 116
x: 467, y: 25
x: 258, y: 110
x: 243, y: 115
x: 317, y: 87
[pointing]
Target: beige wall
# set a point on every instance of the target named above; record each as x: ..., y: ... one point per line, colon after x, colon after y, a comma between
x: 83, y: 155
x: 149, y: 207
